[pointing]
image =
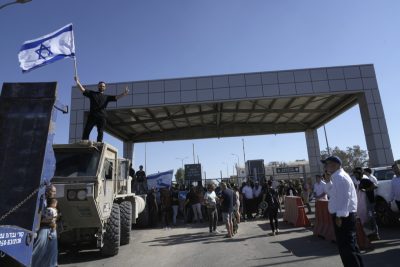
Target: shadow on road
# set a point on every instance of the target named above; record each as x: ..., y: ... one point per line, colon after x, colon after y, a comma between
x: 79, y: 257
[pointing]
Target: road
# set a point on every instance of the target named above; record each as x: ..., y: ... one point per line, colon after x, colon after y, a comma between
x: 192, y: 245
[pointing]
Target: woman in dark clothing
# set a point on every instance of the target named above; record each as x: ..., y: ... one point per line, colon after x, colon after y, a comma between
x: 271, y: 197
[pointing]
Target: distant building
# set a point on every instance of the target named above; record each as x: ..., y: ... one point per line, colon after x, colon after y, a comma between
x: 282, y: 170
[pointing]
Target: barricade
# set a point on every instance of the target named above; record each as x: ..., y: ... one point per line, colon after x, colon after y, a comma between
x: 294, y: 212
x: 324, y: 226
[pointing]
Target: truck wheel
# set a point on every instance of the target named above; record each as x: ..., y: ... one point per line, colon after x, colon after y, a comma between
x: 126, y: 221
x: 111, y: 238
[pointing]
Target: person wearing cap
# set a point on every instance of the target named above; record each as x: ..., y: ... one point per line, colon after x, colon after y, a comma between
x: 343, y: 207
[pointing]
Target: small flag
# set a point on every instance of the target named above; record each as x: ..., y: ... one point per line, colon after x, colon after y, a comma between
x: 160, y: 180
x: 47, y: 49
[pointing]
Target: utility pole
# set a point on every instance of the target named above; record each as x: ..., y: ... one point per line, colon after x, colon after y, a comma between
x: 327, y: 144
x: 194, y: 159
x: 145, y: 157
x: 244, y: 152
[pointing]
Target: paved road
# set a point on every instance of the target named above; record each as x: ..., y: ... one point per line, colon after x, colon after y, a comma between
x: 191, y: 245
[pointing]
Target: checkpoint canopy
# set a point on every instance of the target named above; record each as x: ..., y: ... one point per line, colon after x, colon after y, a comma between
x: 243, y: 104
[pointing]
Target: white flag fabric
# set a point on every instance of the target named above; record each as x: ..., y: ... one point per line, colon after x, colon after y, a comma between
x: 160, y: 180
x: 47, y: 49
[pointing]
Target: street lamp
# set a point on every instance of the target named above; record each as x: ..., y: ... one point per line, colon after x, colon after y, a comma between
x: 182, y: 159
x: 15, y: 2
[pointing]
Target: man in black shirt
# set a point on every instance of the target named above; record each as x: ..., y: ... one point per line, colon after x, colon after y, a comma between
x: 98, y: 103
x: 141, y: 181
x: 227, y: 208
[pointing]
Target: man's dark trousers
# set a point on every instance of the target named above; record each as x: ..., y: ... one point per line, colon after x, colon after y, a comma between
x: 99, y: 122
x: 347, y: 242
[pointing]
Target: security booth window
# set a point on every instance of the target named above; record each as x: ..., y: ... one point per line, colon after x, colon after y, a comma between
x: 74, y: 163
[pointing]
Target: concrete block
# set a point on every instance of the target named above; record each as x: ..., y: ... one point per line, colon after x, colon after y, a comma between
x: 375, y: 126
x: 204, y: 83
x: 253, y: 79
x: 221, y: 93
x: 304, y: 88
x: 320, y: 86
x: 172, y: 97
x: 337, y: 85
x: 140, y: 99
x: 389, y: 156
x: 156, y: 87
x: 236, y: 80
x: 254, y: 91
x: 354, y: 84
x: 172, y: 85
x: 188, y: 84
x: 80, y: 117
x: 351, y: 72
x: 318, y: 74
x: 156, y: 98
x: 125, y: 101
x: 140, y: 88
x: 205, y: 95
x: 370, y: 83
x: 72, y: 117
x: 271, y: 90
x: 78, y: 131
x: 269, y: 77
x: 77, y: 104
x: 335, y: 73
x: 378, y: 141
x: 285, y: 77
x: 377, y: 96
x: 188, y: 96
x: 220, y: 81
x: 75, y: 92
x: 238, y: 92
x: 367, y: 71
x: 379, y: 110
x: 386, y: 140
x: 287, y: 89
x: 302, y: 76
x: 87, y: 103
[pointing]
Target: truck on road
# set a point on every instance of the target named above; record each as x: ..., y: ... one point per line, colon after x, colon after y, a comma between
x: 94, y: 196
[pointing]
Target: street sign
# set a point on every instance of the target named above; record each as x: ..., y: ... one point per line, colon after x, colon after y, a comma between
x: 193, y: 172
x: 288, y: 170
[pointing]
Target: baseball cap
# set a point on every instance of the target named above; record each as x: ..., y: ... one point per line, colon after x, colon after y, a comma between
x: 332, y: 159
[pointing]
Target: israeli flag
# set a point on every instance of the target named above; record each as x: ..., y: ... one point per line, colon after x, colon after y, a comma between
x: 160, y: 180
x: 47, y: 49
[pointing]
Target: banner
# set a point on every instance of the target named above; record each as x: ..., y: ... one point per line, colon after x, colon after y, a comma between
x: 160, y: 180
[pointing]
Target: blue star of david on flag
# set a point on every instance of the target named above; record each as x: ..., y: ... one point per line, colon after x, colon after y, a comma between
x: 47, y: 49
x: 43, y: 51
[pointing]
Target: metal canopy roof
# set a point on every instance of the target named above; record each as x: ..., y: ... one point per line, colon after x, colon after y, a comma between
x: 225, y: 119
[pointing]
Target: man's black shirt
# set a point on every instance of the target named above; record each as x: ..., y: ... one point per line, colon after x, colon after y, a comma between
x: 140, y: 176
x: 98, y: 102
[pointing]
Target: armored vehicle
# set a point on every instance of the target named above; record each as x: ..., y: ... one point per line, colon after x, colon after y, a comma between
x: 94, y: 196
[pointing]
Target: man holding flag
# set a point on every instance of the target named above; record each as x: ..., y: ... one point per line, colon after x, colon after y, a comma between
x: 98, y: 103
x: 59, y: 45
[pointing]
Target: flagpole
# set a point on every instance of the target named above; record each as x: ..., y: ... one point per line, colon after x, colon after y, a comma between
x: 75, y: 65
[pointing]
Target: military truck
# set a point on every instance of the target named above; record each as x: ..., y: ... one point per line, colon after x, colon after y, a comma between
x: 94, y: 197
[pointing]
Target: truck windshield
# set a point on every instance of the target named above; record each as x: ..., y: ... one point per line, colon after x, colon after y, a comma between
x: 77, y: 162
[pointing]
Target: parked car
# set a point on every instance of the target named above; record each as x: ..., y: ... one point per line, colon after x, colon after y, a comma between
x: 385, y: 215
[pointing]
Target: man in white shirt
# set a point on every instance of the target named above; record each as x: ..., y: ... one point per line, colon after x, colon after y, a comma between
x: 368, y: 173
x: 319, y: 188
x: 343, y: 207
x: 395, y: 192
x: 248, y: 197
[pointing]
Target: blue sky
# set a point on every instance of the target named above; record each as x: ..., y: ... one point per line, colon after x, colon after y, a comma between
x: 138, y: 40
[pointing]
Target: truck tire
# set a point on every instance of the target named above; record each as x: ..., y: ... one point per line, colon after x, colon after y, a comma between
x: 126, y: 221
x: 111, y: 238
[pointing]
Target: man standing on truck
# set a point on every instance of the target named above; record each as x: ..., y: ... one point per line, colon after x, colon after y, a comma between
x: 98, y: 103
x: 141, y: 181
